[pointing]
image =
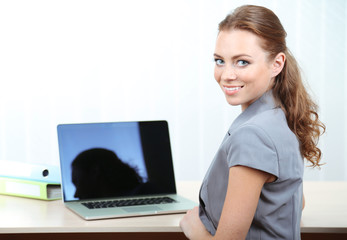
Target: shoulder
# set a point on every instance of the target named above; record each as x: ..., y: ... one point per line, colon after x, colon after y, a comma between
x: 275, y: 116
x: 258, y: 142
x: 252, y: 145
x: 270, y: 125
x: 262, y: 125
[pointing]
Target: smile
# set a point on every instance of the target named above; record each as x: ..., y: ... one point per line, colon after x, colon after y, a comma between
x: 232, y: 88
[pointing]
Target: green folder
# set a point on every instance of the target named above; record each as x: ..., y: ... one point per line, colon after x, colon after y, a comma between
x: 30, y: 188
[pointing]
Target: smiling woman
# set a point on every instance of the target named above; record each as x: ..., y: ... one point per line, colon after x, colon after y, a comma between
x: 253, y: 188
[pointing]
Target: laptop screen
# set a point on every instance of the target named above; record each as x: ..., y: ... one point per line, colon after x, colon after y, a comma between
x: 105, y: 160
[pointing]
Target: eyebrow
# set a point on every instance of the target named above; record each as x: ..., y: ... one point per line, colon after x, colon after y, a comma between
x: 234, y: 57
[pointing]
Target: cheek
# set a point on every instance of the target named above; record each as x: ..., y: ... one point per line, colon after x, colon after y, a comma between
x: 251, y: 75
x: 217, y: 74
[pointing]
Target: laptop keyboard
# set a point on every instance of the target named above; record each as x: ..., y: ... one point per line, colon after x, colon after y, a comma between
x: 128, y: 202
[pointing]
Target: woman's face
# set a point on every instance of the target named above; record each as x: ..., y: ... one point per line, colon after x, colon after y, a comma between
x: 242, y: 68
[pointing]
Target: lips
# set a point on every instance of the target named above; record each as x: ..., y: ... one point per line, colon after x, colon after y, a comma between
x: 230, y: 90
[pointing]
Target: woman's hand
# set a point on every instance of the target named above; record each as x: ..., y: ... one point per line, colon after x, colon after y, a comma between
x: 192, y: 226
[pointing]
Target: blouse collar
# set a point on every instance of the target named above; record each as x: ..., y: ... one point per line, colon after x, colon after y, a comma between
x: 264, y: 103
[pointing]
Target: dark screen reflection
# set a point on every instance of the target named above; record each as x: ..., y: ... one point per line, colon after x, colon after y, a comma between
x: 98, y: 173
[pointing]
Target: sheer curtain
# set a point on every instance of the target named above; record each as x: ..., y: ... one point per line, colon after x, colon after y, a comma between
x: 90, y: 61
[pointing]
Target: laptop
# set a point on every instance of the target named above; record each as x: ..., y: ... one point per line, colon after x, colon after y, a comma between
x: 118, y: 169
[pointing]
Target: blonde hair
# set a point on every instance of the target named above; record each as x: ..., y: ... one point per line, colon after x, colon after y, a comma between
x: 288, y: 89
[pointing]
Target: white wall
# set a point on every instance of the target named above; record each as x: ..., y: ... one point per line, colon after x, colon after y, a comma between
x: 86, y: 61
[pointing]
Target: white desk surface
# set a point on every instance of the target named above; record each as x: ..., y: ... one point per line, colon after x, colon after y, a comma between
x: 325, y: 212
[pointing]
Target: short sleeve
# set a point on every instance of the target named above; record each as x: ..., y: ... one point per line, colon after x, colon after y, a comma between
x: 252, y: 147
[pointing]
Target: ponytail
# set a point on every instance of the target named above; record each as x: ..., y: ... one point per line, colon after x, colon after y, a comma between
x: 301, y: 112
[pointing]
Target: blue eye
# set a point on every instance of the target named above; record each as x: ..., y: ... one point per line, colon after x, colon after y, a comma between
x: 219, y: 61
x: 242, y: 63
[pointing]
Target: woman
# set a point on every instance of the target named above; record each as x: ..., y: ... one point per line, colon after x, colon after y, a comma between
x: 253, y: 188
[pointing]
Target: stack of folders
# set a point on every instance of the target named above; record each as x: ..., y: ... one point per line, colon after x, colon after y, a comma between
x: 30, y: 180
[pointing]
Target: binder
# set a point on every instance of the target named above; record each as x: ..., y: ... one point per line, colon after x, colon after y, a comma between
x: 35, y: 172
x: 30, y: 188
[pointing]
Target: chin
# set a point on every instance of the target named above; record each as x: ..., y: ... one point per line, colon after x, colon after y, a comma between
x: 233, y: 103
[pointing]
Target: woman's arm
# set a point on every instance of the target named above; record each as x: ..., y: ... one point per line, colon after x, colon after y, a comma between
x: 241, y: 201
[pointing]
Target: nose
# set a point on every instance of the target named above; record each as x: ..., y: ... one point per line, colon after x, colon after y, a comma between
x: 229, y: 73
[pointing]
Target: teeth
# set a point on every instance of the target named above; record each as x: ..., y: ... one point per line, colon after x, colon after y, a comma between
x: 232, y: 88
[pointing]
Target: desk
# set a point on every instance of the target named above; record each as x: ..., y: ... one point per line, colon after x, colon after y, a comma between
x: 325, y: 213
x: 324, y: 217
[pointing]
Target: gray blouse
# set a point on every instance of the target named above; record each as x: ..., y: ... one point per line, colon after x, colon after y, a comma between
x: 259, y: 138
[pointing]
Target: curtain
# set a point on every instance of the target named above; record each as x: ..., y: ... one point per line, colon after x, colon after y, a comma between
x: 93, y: 61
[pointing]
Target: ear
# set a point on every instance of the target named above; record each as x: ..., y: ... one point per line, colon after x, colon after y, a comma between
x: 278, y: 64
